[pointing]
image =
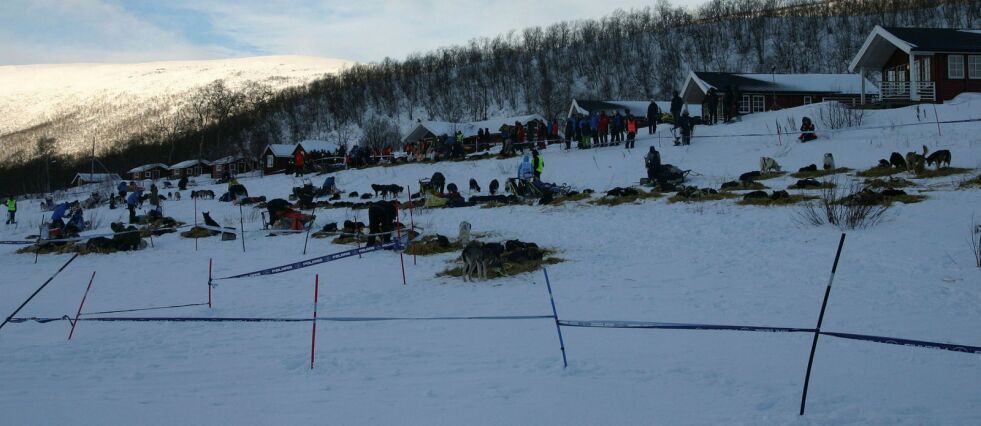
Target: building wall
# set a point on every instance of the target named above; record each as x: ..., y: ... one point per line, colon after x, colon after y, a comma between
x: 947, y: 88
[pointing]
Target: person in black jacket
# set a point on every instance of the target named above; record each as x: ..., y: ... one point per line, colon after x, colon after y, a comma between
x: 687, y: 125
x: 711, y: 105
x: 676, y: 105
x: 653, y: 115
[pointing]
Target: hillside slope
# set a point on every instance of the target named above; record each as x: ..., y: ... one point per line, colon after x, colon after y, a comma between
x: 76, y: 103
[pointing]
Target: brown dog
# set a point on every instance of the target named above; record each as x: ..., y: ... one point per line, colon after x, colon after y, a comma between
x: 939, y: 158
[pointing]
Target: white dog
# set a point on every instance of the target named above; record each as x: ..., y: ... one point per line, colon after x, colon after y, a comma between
x: 829, y: 161
x: 768, y: 164
x: 464, y: 233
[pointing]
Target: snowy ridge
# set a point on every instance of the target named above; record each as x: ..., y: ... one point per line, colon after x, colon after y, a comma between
x: 91, y: 98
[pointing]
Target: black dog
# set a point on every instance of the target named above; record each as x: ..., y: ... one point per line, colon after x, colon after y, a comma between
x: 810, y: 168
x: 209, y: 221
x: 474, y: 187
x: 897, y: 161
x: 494, y: 186
x: 749, y: 176
x: 438, y: 182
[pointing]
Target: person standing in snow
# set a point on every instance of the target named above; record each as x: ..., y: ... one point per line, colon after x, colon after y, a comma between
x: 676, y: 105
x: 711, y: 104
x: 631, y: 131
x: 617, y: 128
x: 121, y: 188
x: 132, y: 201
x: 653, y: 115
x: 604, y: 129
x: 687, y: 126
x: 594, y: 128
x: 537, y: 163
x: 652, y: 162
x: 298, y: 162
x: 570, y: 131
x: 525, y: 170
x: 11, y: 210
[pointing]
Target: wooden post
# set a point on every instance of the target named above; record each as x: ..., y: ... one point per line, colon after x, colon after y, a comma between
x: 195, y: 223
x: 412, y: 223
x: 398, y: 231
x: 209, y: 283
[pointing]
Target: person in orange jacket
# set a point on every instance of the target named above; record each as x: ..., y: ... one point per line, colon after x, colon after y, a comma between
x: 631, y: 131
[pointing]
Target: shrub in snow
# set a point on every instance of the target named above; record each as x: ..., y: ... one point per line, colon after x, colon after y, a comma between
x: 835, y: 115
x: 843, y: 208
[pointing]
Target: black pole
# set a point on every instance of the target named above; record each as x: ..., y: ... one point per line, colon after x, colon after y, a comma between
x: 38, y: 290
x: 555, y: 315
x: 241, y: 224
x: 817, y: 330
x: 37, y: 245
x: 307, y: 238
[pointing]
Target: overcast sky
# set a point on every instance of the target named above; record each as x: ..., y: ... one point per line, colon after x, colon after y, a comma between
x: 65, y: 31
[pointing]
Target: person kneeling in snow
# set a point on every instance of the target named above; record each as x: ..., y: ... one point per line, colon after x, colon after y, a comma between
x: 807, y: 130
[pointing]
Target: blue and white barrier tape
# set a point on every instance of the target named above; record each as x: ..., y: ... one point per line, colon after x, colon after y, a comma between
x: 318, y: 260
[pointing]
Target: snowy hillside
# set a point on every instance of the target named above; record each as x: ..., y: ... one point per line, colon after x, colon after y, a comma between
x: 712, y: 262
x: 78, y: 102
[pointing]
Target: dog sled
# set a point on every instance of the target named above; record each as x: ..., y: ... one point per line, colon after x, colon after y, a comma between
x: 534, y: 188
x: 666, y: 174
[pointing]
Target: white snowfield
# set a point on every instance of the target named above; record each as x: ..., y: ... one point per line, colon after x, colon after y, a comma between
x: 115, y: 93
x: 717, y: 262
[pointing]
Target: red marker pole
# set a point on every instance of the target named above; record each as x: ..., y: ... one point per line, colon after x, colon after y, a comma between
x: 398, y: 230
x: 79, y: 313
x: 209, y: 283
x: 412, y: 223
x: 313, y: 338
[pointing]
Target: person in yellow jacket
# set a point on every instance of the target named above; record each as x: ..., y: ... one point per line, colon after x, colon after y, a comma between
x: 537, y: 163
x: 11, y: 209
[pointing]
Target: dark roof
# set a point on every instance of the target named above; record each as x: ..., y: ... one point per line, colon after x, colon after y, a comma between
x: 939, y: 39
x: 722, y: 80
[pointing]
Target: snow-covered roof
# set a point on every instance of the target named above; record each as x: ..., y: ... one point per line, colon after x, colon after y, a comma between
x: 227, y: 160
x: 699, y: 82
x: 146, y: 167
x: 189, y: 163
x: 883, y: 42
x: 311, y: 145
x: 637, y: 108
x: 436, y: 128
x: 96, y: 177
x: 281, y: 150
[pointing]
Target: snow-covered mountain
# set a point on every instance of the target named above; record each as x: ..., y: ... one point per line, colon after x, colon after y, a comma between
x: 75, y: 103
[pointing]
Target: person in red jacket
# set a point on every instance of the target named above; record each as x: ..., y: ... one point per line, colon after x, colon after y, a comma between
x: 604, y: 127
x: 298, y: 162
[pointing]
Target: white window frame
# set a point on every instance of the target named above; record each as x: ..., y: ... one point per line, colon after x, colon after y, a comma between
x: 959, y: 75
x: 925, y: 70
x: 808, y: 100
x: 744, y: 105
x: 147, y: 174
x: 270, y: 161
x: 974, y: 67
x: 762, y: 103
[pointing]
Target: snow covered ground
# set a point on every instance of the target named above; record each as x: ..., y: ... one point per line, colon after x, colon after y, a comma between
x: 912, y: 276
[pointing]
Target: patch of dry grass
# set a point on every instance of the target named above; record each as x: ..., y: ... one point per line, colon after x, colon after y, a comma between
x: 747, y: 186
x: 429, y: 245
x: 678, y: 198
x: 941, y: 172
x: 824, y: 185
x: 198, y: 232
x: 891, y: 183
x: 508, y: 269
x: 819, y: 173
x: 767, y: 202
x: 568, y: 198
x: 906, y: 199
x: 769, y: 175
x: 616, y: 201
x: 975, y: 182
x: 879, y: 171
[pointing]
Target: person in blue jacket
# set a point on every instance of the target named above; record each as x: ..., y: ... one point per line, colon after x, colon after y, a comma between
x: 594, y: 128
x: 59, y: 212
x: 121, y: 188
x: 131, y: 202
x: 525, y: 169
x: 76, y: 221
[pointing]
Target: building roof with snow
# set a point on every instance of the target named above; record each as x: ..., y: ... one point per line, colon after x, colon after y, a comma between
x: 637, y: 108
x: 698, y: 83
x: 147, y: 167
x: 83, y: 178
x: 280, y: 149
x: 311, y: 145
x: 425, y: 129
x: 189, y: 163
x: 883, y: 42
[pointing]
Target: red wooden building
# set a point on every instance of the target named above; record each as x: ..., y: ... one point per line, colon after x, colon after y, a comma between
x: 922, y: 64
